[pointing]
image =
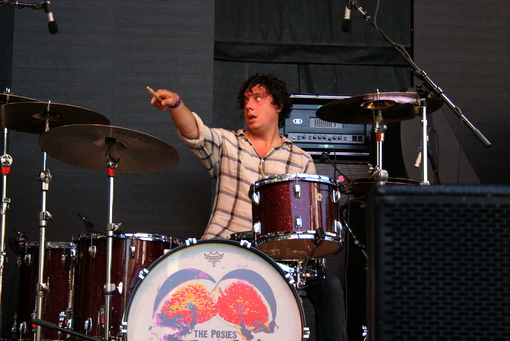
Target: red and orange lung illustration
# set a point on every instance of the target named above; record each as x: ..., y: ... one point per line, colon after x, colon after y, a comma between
x: 190, y: 297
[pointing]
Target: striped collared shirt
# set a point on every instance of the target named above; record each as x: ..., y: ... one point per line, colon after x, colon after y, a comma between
x: 230, y: 158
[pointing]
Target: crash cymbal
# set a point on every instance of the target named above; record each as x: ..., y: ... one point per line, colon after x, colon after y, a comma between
x: 394, y: 107
x: 86, y: 145
x: 8, y: 97
x: 30, y: 117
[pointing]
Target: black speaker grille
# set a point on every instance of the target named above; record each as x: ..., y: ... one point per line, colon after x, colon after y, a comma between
x: 439, y: 263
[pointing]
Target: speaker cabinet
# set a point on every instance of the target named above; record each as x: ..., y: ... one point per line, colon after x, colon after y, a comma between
x: 439, y: 263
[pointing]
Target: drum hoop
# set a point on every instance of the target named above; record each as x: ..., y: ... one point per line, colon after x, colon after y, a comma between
x: 51, y: 244
x: 297, y: 235
x: 292, y: 177
x: 125, y: 235
x: 226, y: 241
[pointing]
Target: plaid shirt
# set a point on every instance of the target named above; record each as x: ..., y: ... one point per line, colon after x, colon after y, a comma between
x: 230, y: 158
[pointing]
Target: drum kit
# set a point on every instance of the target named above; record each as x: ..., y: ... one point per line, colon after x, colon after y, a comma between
x: 117, y: 285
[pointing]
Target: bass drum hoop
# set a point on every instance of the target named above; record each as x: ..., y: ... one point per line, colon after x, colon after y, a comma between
x: 243, y: 244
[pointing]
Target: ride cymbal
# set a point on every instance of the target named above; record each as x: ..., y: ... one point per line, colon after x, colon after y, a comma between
x: 87, y: 145
x: 31, y: 117
x: 394, y: 107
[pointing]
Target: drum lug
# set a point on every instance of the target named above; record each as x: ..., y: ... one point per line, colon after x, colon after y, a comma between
x: 255, y: 197
x: 132, y: 251
x: 336, y: 196
x: 290, y: 279
x: 88, y: 325
x: 190, y: 241
x: 27, y: 259
x: 143, y: 273
x: 306, y: 332
x: 63, y: 260
x: 123, y: 328
x: 298, y: 222
x: 257, y: 228
x: 92, y: 251
x: 23, y: 327
x: 245, y: 243
x: 338, y: 227
x: 73, y: 252
x: 297, y: 191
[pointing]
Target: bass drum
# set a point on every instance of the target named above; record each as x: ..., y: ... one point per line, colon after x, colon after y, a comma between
x: 59, y: 263
x: 213, y: 290
x: 131, y: 253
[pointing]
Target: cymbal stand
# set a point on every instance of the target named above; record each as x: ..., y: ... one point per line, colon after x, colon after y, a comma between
x: 109, y: 287
x: 378, y: 173
x: 424, y: 141
x: 41, y: 287
x: 6, y: 161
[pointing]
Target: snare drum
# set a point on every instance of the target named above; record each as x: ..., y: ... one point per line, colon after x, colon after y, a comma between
x: 297, y: 216
x: 215, y: 290
x: 131, y: 253
x: 58, y: 276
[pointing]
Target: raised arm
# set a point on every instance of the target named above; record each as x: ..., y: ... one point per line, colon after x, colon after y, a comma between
x: 181, y: 115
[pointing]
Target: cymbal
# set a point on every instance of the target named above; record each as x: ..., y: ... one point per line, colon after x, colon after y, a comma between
x: 30, y: 117
x: 394, y: 107
x: 7, y: 97
x: 86, y: 145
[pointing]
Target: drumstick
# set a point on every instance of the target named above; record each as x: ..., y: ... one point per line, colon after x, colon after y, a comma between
x: 153, y: 93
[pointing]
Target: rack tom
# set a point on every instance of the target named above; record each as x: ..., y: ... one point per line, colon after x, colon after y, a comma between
x: 296, y: 216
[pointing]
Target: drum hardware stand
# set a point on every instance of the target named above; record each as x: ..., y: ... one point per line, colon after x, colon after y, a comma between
x: 41, y: 288
x: 378, y: 174
x: 424, y: 137
x: 6, y: 161
x: 109, y: 287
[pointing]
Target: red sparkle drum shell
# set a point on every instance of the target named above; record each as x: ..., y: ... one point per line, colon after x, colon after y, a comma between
x: 215, y: 289
x: 58, y: 275
x: 288, y: 210
x: 131, y: 253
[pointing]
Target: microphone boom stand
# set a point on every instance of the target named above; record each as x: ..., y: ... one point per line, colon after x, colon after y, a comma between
x: 429, y: 86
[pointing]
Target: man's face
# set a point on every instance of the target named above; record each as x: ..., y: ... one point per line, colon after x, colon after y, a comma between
x: 259, y: 111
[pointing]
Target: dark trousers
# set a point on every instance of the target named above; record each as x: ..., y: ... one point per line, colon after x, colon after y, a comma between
x: 327, y: 297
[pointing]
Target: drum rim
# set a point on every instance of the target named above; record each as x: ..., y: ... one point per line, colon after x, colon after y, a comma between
x: 221, y: 241
x: 303, y: 235
x: 291, y: 177
x: 51, y: 244
x: 126, y: 235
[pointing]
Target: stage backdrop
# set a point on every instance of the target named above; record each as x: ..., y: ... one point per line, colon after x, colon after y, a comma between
x: 102, y: 59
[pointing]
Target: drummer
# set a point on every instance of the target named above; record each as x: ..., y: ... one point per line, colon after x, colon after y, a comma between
x: 238, y: 159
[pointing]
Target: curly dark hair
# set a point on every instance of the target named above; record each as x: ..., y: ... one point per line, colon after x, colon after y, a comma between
x: 275, y: 87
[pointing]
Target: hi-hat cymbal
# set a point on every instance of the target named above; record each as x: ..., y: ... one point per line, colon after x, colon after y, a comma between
x: 8, y: 97
x: 31, y: 117
x: 86, y: 146
x: 394, y: 107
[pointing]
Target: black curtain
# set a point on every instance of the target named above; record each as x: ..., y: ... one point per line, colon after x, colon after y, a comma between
x: 303, y: 42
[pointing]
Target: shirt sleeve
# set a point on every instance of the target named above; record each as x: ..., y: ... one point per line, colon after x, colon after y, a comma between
x: 207, y: 147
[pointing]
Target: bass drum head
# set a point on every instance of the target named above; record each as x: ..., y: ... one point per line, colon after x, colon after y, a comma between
x: 212, y: 290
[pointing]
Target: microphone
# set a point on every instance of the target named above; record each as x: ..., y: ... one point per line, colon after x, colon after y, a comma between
x: 417, y: 162
x: 52, y: 24
x: 87, y: 222
x: 346, y: 23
